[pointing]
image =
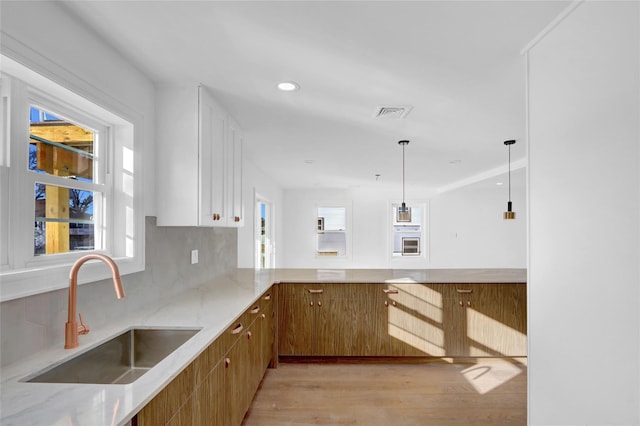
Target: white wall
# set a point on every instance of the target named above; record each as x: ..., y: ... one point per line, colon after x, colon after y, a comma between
x: 465, y: 227
x: 366, y: 233
x: 468, y: 231
x: 43, y: 36
x: 256, y: 182
x: 584, y: 200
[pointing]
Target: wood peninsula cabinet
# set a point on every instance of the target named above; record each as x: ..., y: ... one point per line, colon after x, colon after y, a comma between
x: 402, y: 319
x: 457, y: 320
x: 491, y: 319
x: 414, y: 319
x: 217, y: 388
x: 315, y: 319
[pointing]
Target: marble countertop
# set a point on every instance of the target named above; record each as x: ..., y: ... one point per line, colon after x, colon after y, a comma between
x: 213, y: 305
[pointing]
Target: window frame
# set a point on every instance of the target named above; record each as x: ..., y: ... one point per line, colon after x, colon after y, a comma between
x: 103, y: 179
x: 22, y: 273
x: 348, y: 226
x: 422, y: 258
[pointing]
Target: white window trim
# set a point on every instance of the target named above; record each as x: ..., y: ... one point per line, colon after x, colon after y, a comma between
x: 47, y: 273
x: 347, y: 205
x: 417, y: 261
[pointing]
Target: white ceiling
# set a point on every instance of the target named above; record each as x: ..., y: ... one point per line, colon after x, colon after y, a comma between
x: 457, y: 63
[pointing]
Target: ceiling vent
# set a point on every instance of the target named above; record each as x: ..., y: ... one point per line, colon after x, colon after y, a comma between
x: 393, y: 111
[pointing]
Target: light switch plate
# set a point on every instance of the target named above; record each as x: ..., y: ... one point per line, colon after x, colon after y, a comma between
x: 194, y: 257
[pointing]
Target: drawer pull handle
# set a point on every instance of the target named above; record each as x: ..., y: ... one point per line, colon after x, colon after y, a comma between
x: 390, y: 291
x: 249, y: 335
x: 255, y: 310
x: 319, y: 291
x: 319, y: 304
x: 227, y: 362
x: 263, y: 316
x: 461, y: 291
x: 237, y: 330
x: 267, y: 297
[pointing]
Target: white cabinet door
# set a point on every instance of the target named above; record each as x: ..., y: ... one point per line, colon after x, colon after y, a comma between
x: 234, y: 160
x: 213, y: 165
x: 177, y: 156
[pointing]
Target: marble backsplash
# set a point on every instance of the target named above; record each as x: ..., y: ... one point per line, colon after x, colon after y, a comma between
x: 35, y: 323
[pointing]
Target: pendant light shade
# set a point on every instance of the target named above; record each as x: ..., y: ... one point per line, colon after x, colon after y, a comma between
x: 509, y: 214
x: 404, y: 212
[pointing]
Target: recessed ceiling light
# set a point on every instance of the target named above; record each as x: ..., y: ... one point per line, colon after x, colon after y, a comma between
x: 499, y: 183
x: 288, y: 86
x: 455, y: 161
x: 309, y: 161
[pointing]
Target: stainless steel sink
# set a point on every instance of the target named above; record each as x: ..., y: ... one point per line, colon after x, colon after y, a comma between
x: 120, y: 360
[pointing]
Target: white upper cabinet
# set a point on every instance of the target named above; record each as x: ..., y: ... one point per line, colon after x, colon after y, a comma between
x: 199, y: 160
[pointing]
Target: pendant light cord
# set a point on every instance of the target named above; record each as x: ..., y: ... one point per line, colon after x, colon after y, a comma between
x: 509, y: 173
x: 403, y: 208
x: 403, y: 173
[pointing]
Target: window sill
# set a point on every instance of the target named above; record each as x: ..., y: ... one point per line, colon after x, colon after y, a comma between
x: 30, y: 281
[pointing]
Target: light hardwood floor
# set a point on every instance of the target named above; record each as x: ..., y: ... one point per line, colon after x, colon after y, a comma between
x: 481, y: 392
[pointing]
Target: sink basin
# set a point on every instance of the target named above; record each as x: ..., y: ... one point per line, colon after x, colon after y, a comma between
x: 119, y: 360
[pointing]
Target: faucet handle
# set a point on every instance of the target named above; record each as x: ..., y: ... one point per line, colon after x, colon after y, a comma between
x: 82, y: 328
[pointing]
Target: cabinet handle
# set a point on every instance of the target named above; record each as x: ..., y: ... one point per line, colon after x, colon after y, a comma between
x: 216, y: 216
x: 468, y: 302
x: 386, y: 303
x: 249, y: 335
x: 394, y: 303
x: 263, y: 316
x: 237, y: 330
x: 267, y: 297
x: 390, y: 291
x: 255, y: 310
x: 319, y: 291
x: 461, y: 304
x: 236, y: 219
x: 461, y: 291
x: 311, y: 304
x: 319, y: 304
x: 227, y: 362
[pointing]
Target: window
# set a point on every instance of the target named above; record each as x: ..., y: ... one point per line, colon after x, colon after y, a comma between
x: 69, y: 184
x: 331, y: 229
x: 70, y: 156
x: 408, y: 231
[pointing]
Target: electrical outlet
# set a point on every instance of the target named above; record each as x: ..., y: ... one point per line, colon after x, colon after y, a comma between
x: 194, y: 257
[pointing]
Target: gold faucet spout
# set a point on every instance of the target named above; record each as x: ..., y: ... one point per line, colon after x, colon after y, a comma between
x: 72, y: 329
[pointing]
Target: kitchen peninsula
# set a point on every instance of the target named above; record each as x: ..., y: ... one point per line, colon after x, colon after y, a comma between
x: 219, y: 305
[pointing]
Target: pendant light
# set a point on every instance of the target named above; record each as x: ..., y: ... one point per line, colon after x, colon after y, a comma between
x: 404, y: 212
x: 509, y: 214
